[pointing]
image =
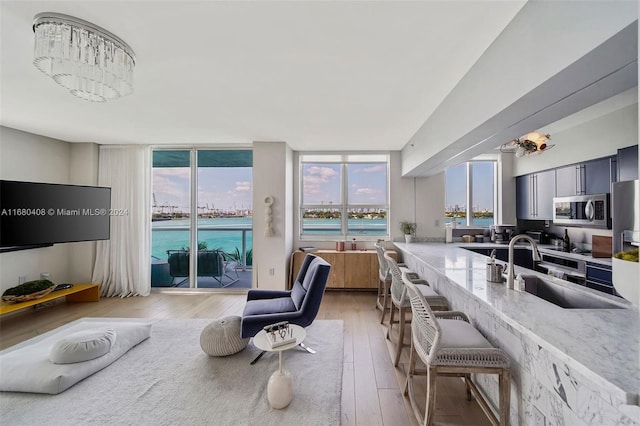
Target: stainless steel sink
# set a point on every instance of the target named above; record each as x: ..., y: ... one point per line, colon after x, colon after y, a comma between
x: 565, y: 297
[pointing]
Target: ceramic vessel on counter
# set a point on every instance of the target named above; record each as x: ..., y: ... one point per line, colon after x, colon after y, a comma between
x: 625, y: 279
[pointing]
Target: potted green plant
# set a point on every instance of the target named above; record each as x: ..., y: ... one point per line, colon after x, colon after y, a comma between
x: 408, y: 229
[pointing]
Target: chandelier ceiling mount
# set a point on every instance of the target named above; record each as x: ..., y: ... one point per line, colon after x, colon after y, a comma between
x: 91, y: 62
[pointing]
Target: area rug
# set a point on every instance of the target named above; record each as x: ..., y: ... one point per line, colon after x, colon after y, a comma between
x: 169, y: 380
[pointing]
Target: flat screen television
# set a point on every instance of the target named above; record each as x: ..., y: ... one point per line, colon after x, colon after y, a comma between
x: 36, y: 214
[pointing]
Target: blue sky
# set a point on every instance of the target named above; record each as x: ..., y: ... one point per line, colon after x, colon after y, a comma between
x: 367, y: 183
x: 455, y: 192
x: 229, y: 188
x: 226, y: 188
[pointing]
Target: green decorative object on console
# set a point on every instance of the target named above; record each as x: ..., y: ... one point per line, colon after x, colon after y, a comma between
x: 28, y: 291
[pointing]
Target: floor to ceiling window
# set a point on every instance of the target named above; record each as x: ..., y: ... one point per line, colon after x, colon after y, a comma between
x: 201, y: 204
x: 470, y: 194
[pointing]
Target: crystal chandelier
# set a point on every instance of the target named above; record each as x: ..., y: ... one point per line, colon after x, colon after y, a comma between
x: 88, y: 60
x: 534, y: 143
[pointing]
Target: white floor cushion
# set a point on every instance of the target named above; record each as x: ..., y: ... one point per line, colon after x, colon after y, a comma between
x: 27, y: 368
x: 83, y: 346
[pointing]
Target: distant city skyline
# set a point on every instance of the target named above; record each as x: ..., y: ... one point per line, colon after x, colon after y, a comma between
x: 219, y: 188
x: 456, y: 186
x: 367, y: 183
x: 230, y: 188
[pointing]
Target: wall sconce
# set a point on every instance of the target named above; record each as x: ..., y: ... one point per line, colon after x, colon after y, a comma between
x: 534, y: 143
x: 268, y: 216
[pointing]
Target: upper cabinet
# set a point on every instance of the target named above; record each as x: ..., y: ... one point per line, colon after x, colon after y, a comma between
x: 592, y: 177
x: 628, y: 163
x: 568, y: 181
x: 534, y: 195
x: 535, y: 192
x: 598, y: 176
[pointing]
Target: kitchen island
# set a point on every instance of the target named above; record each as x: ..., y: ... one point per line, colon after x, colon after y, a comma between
x: 569, y: 366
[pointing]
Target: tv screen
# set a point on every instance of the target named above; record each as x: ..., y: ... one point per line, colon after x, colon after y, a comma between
x: 33, y: 214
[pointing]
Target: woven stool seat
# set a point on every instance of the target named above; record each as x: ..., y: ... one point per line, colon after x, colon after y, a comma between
x: 384, y: 280
x: 448, y: 344
x: 222, y: 337
x: 400, y: 300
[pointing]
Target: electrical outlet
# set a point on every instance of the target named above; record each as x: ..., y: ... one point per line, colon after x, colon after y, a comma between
x: 436, y: 223
x: 538, y: 417
x: 22, y: 279
x: 272, y: 272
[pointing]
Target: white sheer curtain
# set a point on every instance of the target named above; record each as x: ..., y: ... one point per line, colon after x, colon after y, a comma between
x: 122, y: 262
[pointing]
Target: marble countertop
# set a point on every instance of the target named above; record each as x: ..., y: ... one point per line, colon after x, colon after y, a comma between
x: 544, y: 248
x: 603, y: 344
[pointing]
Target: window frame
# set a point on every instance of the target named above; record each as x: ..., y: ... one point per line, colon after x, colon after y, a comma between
x: 343, y: 159
x: 469, y: 191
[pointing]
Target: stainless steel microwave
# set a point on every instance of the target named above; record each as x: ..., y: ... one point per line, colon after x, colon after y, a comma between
x: 582, y: 210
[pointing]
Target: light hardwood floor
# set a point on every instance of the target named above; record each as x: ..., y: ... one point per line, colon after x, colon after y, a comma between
x: 371, y: 386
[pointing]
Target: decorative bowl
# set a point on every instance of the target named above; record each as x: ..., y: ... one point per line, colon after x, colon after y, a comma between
x: 625, y: 279
x: 25, y: 297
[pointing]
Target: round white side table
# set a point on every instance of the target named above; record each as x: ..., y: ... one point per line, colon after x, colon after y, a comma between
x: 280, y: 387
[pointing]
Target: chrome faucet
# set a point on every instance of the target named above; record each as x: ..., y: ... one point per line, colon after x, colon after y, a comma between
x: 535, y: 254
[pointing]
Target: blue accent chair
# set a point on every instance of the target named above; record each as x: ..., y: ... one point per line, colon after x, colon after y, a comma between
x: 298, y: 306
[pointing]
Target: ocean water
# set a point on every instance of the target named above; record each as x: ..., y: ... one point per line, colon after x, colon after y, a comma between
x: 220, y: 236
x: 356, y: 226
x: 163, y: 239
x: 226, y: 233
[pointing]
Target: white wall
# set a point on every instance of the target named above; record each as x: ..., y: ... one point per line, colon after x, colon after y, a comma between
x: 506, y: 190
x: 596, y: 138
x: 543, y: 39
x: 272, y: 175
x: 430, y: 204
x: 29, y: 157
x: 403, y: 200
x: 83, y: 171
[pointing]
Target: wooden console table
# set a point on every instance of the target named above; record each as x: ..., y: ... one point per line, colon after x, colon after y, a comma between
x: 351, y: 269
x: 77, y: 293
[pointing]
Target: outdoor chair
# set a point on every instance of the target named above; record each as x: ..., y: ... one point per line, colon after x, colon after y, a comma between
x: 211, y: 263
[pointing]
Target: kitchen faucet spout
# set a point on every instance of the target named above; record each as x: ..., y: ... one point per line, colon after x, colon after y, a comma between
x: 535, y: 254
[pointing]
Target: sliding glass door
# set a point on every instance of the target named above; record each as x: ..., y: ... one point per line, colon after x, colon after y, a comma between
x: 216, y: 185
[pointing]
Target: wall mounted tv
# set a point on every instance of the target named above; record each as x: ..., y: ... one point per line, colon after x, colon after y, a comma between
x: 39, y: 214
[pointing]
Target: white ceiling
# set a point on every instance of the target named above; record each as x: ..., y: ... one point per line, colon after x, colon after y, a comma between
x: 318, y: 75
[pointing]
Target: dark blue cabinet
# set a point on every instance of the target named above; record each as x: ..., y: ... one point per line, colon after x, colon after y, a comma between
x: 628, y: 163
x: 597, y: 176
x: 568, y: 181
x: 592, y: 177
x: 534, y: 195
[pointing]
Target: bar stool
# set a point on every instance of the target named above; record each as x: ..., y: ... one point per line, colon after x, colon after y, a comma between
x: 400, y: 300
x: 449, y: 345
x: 384, y: 282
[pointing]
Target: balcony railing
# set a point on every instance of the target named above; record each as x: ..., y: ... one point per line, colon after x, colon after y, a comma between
x: 218, y: 228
